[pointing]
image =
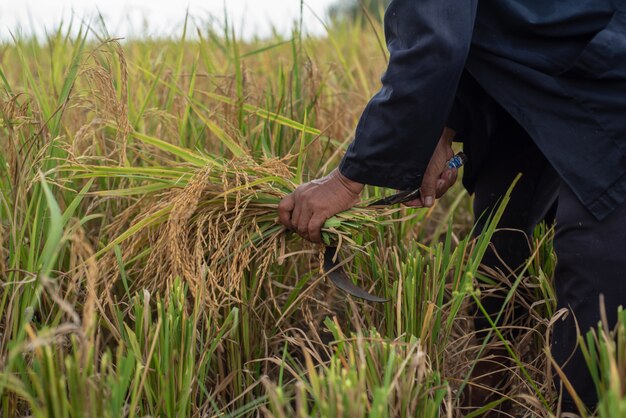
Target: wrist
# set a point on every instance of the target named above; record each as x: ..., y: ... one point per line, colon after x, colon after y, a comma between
x: 351, y: 185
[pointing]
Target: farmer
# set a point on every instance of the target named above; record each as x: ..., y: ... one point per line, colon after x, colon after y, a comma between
x: 530, y: 86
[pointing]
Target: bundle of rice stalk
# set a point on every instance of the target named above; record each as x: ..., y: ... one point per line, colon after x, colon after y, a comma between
x: 208, y: 221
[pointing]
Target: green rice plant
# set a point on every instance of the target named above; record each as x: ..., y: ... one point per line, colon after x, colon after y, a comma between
x: 605, y: 354
x: 162, y: 366
x: 367, y: 375
x: 174, y: 346
x: 75, y: 384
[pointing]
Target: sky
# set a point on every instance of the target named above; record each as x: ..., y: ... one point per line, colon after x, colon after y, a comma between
x: 131, y: 18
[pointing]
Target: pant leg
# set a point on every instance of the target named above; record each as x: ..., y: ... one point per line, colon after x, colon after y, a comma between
x: 590, y: 253
x: 591, y: 260
x: 511, y: 152
x: 499, y: 149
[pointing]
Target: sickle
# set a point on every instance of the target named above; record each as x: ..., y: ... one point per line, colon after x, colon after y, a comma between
x: 341, y: 280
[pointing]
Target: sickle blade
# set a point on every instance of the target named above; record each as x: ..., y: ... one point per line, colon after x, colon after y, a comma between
x: 342, y: 281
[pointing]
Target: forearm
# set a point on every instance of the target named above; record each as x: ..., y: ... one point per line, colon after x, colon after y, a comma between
x: 397, y: 133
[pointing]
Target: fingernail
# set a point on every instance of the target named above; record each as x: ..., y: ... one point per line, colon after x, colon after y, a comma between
x: 428, y: 201
x: 449, y: 175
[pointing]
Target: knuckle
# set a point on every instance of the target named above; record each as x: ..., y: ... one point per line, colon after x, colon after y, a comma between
x: 287, y: 202
x: 305, y: 197
x: 316, y: 205
x: 315, y: 224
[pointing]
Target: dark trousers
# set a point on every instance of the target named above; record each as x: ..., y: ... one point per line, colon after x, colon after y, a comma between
x: 591, y: 254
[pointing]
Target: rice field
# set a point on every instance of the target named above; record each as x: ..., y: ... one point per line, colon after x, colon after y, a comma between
x: 143, y: 270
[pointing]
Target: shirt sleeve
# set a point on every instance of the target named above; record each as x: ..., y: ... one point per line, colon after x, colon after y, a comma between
x: 428, y: 43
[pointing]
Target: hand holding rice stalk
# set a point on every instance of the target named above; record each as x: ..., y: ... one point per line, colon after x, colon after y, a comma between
x: 209, y: 220
x: 310, y: 204
x: 306, y: 209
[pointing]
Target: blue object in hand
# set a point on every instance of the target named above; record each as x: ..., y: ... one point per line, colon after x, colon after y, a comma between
x: 457, y: 161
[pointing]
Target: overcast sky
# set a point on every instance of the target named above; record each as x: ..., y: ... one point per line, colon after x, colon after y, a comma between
x: 158, y: 17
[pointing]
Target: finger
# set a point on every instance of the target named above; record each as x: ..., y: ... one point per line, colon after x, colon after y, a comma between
x: 303, y: 223
x: 285, y: 207
x: 440, y: 188
x: 452, y: 175
x: 295, y: 215
x: 428, y: 188
x: 447, y: 180
x: 315, y: 228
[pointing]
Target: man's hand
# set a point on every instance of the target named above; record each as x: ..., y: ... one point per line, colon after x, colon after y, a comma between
x: 438, y: 178
x: 307, y: 208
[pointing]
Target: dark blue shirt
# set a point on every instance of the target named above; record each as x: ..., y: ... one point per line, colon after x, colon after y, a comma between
x: 557, y: 66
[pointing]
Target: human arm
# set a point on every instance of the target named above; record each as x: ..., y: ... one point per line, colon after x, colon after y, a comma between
x: 428, y: 42
x: 397, y: 134
x: 307, y: 208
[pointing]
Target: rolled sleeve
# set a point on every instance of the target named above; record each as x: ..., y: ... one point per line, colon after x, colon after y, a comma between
x: 428, y: 42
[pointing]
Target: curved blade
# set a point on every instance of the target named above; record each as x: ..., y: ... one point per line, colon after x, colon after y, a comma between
x: 456, y: 161
x: 342, y: 281
x: 401, y: 197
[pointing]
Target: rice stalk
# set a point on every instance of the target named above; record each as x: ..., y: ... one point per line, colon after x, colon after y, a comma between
x: 3, y: 253
x: 367, y: 375
x: 211, y: 227
x: 604, y: 351
x: 105, y: 99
